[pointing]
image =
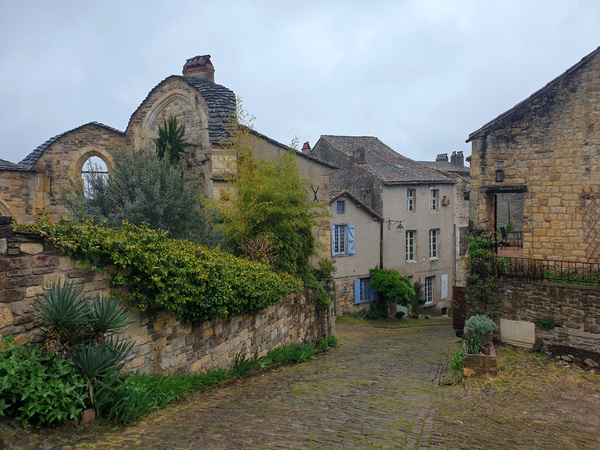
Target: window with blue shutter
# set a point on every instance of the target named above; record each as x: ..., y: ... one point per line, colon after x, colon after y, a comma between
x: 342, y: 240
x: 362, y: 291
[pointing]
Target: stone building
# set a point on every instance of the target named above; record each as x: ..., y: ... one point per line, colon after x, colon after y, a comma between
x: 545, y: 154
x: 33, y: 186
x: 414, y: 201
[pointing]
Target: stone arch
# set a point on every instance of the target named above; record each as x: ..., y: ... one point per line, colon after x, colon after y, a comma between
x: 195, y: 103
x: 83, y: 156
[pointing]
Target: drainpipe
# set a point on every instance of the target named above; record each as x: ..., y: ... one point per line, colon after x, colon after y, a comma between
x: 381, y: 244
x: 454, y: 246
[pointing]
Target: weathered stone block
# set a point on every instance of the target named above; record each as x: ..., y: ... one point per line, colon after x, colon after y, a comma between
x: 51, y: 279
x: 6, y: 317
x: 31, y: 248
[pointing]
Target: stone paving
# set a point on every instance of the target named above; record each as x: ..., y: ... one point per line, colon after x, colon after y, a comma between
x: 380, y: 389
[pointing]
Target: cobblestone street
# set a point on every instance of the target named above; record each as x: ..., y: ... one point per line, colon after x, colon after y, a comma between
x: 380, y: 389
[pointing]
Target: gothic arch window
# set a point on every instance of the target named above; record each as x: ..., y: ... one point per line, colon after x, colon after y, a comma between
x: 94, y: 173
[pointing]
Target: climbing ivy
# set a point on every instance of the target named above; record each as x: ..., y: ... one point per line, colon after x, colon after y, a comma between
x: 192, y: 281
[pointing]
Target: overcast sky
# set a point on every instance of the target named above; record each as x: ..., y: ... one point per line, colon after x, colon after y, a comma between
x: 419, y: 75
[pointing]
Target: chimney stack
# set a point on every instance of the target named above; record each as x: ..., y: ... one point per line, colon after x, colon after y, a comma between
x: 359, y: 156
x: 442, y: 157
x: 306, y: 148
x: 457, y: 159
x: 199, y: 67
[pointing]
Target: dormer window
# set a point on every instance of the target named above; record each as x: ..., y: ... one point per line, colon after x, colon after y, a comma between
x: 341, y: 206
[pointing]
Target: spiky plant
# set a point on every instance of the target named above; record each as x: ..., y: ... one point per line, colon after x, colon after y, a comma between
x: 170, y: 141
x: 107, y: 316
x: 65, y: 317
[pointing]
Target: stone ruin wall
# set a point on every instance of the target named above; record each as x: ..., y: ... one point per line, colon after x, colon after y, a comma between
x: 28, y: 268
x: 575, y: 310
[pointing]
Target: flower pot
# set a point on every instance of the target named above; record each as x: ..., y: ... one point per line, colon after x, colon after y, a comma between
x: 479, y: 363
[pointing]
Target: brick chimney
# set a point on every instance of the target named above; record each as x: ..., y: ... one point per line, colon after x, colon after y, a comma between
x: 442, y: 157
x: 306, y: 148
x: 457, y: 159
x: 359, y: 156
x: 199, y: 67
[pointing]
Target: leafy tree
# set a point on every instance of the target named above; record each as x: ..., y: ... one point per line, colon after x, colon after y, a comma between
x: 142, y: 188
x: 270, y: 203
x: 170, y: 141
x: 394, y: 287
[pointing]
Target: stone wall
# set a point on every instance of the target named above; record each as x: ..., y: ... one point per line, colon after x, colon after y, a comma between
x: 548, y: 148
x: 28, y: 268
x: 575, y: 310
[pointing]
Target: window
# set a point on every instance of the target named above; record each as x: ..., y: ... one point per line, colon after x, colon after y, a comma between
x: 94, y: 174
x: 434, y: 200
x: 463, y: 240
x: 411, y: 197
x: 341, y: 207
x: 365, y: 196
x: 429, y: 281
x: 410, y: 246
x: 342, y: 240
x: 434, y: 240
x: 362, y: 291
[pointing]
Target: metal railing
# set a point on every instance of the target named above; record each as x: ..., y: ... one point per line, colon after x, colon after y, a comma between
x: 556, y: 271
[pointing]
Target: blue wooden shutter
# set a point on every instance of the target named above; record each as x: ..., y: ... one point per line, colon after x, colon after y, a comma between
x: 351, y: 239
x: 332, y: 240
x: 357, y: 291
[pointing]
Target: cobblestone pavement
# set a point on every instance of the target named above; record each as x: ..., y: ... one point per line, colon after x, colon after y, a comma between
x: 380, y: 389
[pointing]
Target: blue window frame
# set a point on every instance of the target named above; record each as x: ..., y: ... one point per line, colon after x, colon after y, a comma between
x: 362, y: 291
x: 341, y: 207
x: 342, y: 240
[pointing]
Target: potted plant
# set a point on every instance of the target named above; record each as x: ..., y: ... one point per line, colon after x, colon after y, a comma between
x: 478, y: 346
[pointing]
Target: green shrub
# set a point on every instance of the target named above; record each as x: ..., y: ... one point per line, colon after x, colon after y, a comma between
x: 473, y: 343
x: 321, y: 343
x: 332, y: 341
x: 394, y: 287
x: 457, y: 361
x: 190, y: 280
x: 480, y: 325
x: 546, y: 323
x: 39, y: 389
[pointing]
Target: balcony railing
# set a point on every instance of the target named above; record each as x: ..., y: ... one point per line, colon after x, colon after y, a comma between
x: 540, y: 270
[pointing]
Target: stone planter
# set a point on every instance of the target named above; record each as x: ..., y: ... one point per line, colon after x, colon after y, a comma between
x: 479, y: 364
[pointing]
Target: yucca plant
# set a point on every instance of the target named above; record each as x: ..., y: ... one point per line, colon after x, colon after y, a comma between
x: 107, y: 316
x: 65, y: 317
x: 101, y: 360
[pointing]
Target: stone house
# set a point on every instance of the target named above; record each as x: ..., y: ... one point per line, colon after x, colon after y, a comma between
x: 32, y: 187
x: 543, y: 156
x: 356, y: 248
x: 414, y: 201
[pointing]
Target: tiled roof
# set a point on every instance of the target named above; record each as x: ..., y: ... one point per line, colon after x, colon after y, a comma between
x: 359, y: 203
x: 30, y: 160
x: 445, y: 166
x: 384, y: 163
x: 506, y: 116
x: 221, y: 104
x: 7, y: 165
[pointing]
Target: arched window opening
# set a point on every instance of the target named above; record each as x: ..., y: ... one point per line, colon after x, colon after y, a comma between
x: 94, y: 175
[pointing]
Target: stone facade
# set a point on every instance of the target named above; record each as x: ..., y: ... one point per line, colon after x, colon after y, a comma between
x: 206, y: 109
x: 575, y: 310
x: 547, y: 151
x: 28, y: 268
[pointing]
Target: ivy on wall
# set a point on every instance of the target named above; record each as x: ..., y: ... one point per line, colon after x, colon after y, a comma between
x: 195, y: 283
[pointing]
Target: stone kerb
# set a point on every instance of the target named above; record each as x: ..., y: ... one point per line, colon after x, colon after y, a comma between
x: 28, y: 268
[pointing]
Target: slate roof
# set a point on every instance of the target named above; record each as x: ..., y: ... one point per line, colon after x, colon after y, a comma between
x: 7, y: 165
x: 30, y: 160
x: 221, y: 105
x: 358, y: 203
x: 446, y: 166
x: 384, y: 163
x: 506, y: 116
